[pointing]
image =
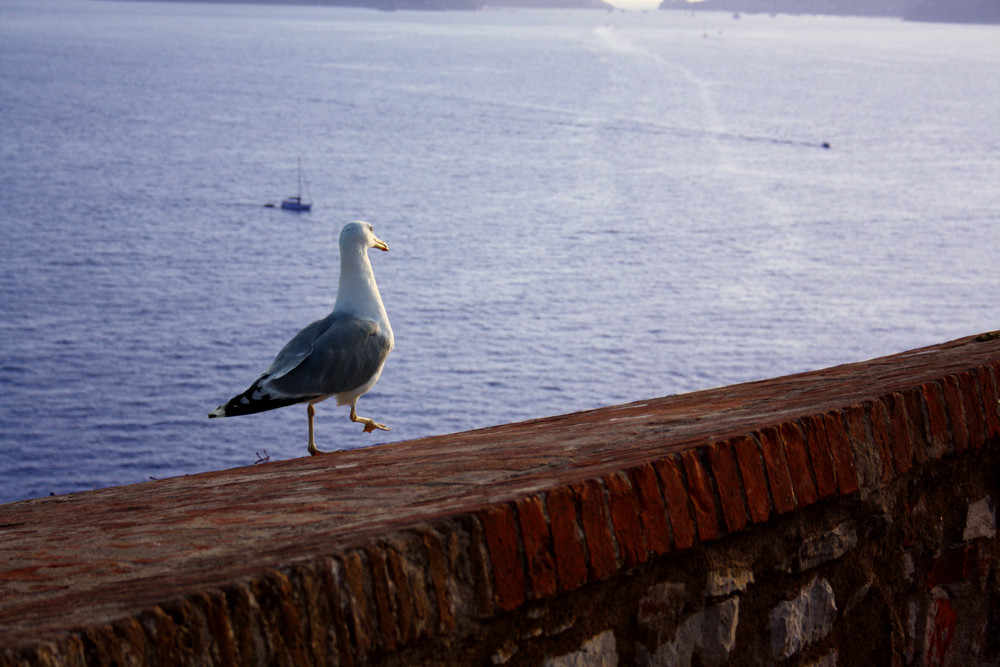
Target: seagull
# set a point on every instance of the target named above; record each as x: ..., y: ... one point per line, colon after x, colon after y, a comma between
x: 341, y: 355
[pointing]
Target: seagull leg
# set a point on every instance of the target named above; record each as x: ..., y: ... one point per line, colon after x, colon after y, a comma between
x: 311, y: 411
x: 370, y: 424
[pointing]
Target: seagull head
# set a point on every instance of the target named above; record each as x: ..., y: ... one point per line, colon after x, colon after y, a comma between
x: 360, y: 234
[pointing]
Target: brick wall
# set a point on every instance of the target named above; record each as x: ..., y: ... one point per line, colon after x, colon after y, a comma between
x: 845, y: 516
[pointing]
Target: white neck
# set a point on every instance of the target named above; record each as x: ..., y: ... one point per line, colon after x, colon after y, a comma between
x: 357, y: 292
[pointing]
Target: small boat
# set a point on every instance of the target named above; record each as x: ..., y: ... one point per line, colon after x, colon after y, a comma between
x: 296, y: 202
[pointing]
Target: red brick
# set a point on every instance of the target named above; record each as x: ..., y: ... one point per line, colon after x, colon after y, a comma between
x: 863, y: 447
x: 625, y: 519
x: 241, y: 606
x: 899, y: 433
x: 537, y: 547
x: 777, y: 470
x: 329, y: 587
x: 418, y: 588
x: 164, y: 635
x: 938, y: 431
x: 991, y: 400
x: 675, y: 496
x: 284, y: 617
x: 380, y: 591
x: 940, y: 631
x: 971, y: 406
x: 953, y: 566
x: 914, y: 405
x: 818, y: 446
x: 361, y: 612
x: 438, y: 566
x: 840, y: 450
x: 567, y: 544
x: 799, y: 467
x: 651, y: 511
x: 878, y: 417
x: 956, y: 418
x: 406, y: 612
x: 702, y: 495
x: 754, y: 477
x: 722, y: 461
x: 502, y: 544
x: 596, y: 529
x: 320, y: 619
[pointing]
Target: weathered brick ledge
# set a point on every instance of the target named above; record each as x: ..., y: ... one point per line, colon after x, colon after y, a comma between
x: 454, y: 549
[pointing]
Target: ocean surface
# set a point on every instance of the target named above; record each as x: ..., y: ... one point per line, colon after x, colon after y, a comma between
x: 583, y: 208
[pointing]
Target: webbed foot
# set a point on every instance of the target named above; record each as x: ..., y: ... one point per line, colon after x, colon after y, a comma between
x: 371, y: 425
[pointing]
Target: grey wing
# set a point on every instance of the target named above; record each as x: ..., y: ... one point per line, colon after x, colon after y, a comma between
x: 297, y: 349
x: 343, y: 357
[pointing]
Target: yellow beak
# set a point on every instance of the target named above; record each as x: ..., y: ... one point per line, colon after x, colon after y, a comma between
x: 380, y: 244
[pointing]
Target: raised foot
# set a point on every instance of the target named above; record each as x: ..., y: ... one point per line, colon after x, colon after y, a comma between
x: 371, y: 425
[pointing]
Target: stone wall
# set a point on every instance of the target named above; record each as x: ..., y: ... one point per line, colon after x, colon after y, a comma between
x: 840, y: 517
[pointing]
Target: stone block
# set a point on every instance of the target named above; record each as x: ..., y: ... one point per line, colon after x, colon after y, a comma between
x: 803, y: 620
x: 727, y: 579
x: 598, y: 651
x: 717, y: 635
x: 661, y: 605
x: 709, y: 634
x: 829, y: 546
x: 981, y: 520
x: 828, y: 659
x: 939, y: 630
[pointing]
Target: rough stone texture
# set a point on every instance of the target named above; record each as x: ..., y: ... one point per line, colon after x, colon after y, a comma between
x: 670, y: 527
x: 981, y: 520
x: 728, y: 579
x: 801, y: 621
x: 834, y: 544
x: 597, y: 651
x: 709, y: 634
x: 826, y: 660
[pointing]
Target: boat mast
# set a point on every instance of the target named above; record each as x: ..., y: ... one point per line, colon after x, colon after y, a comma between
x: 300, y: 179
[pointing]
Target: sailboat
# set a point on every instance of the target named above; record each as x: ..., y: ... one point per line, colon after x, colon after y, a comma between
x: 296, y: 203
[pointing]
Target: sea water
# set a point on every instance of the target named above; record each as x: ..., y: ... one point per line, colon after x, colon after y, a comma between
x: 583, y: 208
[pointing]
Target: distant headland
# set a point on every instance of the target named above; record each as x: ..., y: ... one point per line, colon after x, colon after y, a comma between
x: 430, y: 5
x: 950, y: 11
